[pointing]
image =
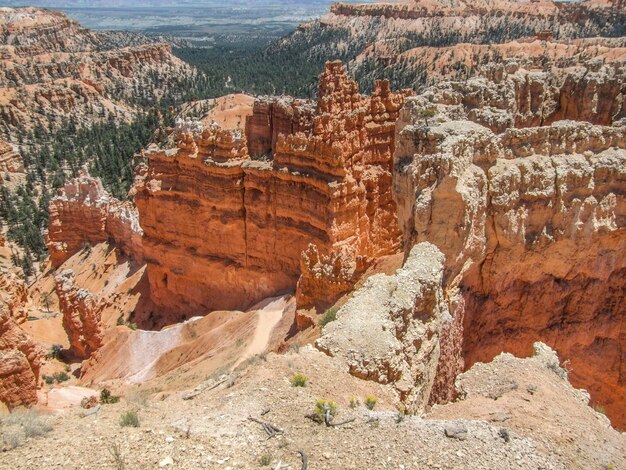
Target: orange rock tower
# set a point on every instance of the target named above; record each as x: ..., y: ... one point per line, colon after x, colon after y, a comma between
x: 222, y: 231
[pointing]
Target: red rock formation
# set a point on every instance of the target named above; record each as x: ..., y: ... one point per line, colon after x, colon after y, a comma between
x: 84, y: 213
x: 81, y: 316
x: 247, y: 223
x: 20, y: 361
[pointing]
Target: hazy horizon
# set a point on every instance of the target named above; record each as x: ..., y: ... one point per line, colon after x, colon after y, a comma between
x: 193, y: 15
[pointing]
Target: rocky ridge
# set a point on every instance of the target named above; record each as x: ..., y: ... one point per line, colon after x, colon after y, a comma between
x: 60, y: 70
x: 413, y: 44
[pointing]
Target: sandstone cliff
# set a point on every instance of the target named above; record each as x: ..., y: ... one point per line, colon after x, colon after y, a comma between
x: 84, y: 214
x: 10, y: 160
x: 319, y: 207
x: 81, y: 315
x: 531, y: 220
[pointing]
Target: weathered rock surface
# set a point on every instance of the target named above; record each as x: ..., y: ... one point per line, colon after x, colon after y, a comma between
x: 13, y: 294
x: 84, y: 213
x: 20, y: 361
x: 246, y: 223
x: 532, y: 225
x: 389, y: 331
x: 505, y: 95
x: 81, y: 315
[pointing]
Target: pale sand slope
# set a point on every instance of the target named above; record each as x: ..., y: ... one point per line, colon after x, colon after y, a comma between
x: 269, y: 312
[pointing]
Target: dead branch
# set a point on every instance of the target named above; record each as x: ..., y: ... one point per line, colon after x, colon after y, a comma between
x: 305, y: 459
x: 270, y: 429
x: 342, y: 423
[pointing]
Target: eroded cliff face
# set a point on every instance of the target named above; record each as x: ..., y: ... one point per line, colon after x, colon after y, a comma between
x: 83, y: 213
x: 531, y: 222
x: 223, y: 231
x: 389, y: 331
x: 20, y: 361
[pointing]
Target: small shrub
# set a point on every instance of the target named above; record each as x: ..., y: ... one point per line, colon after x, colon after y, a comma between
x: 400, y: 417
x: 329, y: 315
x: 120, y: 320
x: 48, y: 379
x: 132, y: 326
x: 116, y: 452
x: 61, y: 376
x: 265, y: 460
x: 34, y: 426
x: 129, y: 419
x: 354, y: 402
x: 370, y: 402
x: 299, y: 380
x: 600, y: 409
x: 106, y: 398
x: 321, y: 406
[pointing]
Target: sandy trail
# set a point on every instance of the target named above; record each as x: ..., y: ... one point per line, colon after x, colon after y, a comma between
x: 269, y: 312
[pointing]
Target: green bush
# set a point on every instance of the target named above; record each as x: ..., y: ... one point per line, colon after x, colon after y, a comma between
x: 61, y: 376
x: 354, y: 402
x: 106, y: 398
x: 265, y: 460
x: 299, y: 380
x: 370, y: 402
x: 129, y: 419
x: 329, y: 315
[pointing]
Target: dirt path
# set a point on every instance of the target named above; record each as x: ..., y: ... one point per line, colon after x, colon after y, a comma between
x: 269, y: 313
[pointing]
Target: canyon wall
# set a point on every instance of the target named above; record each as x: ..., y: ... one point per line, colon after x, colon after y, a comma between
x: 83, y: 213
x: 531, y: 220
x: 223, y: 231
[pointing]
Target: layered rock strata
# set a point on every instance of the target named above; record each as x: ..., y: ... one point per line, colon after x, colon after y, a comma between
x: 532, y: 225
x: 84, y: 213
x: 223, y: 231
x: 272, y: 117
